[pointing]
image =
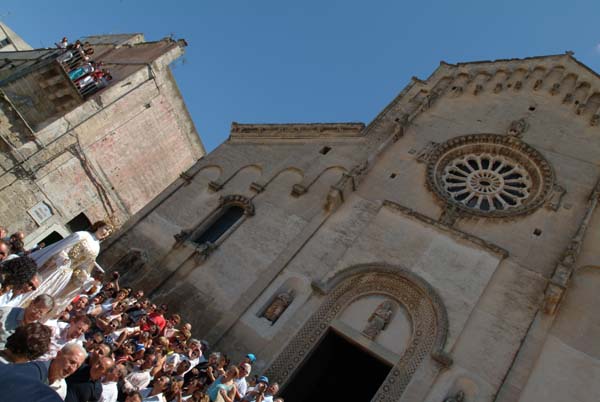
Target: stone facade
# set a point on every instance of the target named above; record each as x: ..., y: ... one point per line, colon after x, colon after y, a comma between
x: 10, y: 41
x: 104, y: 156
x: 469, y: 203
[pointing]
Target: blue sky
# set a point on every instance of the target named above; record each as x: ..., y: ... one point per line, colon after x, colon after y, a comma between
x: 267, y: 61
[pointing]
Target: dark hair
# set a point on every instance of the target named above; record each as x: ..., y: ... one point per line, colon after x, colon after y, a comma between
x: 98, y: 224
x: 18, y: 271
x: 135, y: 393
x: 83, y: 318
x: 16, y: 245
x: 31, y: 340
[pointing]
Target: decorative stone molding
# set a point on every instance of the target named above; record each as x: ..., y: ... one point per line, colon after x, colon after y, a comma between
x: 424, y: 154
x: 257, y: 187
x: 458, y: 397
x: 489, y: 175
x: 239, y: 200
x: 564, y: 268
x: 422, y: 303
x: 296, y: 131
x: 181, y: 237
x: 203, y: 251
x: 335, y: 198
x: 347, y: 183
x: 187, y: 178
x: 449, y: 215
x: 215, y: 186
x: 556, y: 197
x: 298, y: 190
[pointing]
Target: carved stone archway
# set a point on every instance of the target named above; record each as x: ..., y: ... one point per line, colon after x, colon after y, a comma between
x: 424, y: 307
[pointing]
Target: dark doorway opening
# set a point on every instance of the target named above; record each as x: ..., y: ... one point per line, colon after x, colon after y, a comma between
x: 51, y: 238
x: 79, y: 223
x: 337, y: 370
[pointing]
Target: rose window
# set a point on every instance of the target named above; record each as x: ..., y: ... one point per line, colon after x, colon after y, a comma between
x: 490, y: 175
x: 486, y: 182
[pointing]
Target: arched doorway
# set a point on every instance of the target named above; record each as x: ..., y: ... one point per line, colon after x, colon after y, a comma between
x: 328, y: 332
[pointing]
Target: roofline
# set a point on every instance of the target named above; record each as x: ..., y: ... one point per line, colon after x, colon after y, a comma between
x: 569, y: 54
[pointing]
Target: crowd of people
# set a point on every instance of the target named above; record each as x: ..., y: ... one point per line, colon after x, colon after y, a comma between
x: 69, y: 331
x: 88, y: 75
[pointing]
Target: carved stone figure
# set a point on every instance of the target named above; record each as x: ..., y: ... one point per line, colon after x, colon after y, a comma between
x: 379, y: 319
x: 279, y: 304
x: 458, y: 397
x: 518, y: 127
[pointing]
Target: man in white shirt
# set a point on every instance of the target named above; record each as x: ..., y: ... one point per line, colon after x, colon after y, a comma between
x: 14, y: 297
x: 241, y: 385
x: 53, y: 372
x: 140, y: 377
x: 64, y: 333
x: 110, y: 392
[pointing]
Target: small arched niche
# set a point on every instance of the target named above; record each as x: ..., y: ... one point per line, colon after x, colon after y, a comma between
x: 280, y: 301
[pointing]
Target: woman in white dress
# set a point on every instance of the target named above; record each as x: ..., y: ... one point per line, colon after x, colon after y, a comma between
x: 66, y: 265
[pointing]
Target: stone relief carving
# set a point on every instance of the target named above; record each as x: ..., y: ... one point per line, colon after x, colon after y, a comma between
x: 400, y: 124
x: 556, y: 197
x: 449, y: 215
x: 379, y: 319
x: 518, y: 127
x: 564, y: 268
x: 458, y: 397
x: 181, y: 237
x: 298, y: 190
x: 425, y: 153
x: 279, y: 304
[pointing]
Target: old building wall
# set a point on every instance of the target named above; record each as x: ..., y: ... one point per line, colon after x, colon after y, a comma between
x: 110, y: 156
x: 235, y: 265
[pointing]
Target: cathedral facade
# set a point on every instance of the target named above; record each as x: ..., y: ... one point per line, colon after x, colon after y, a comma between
x: 448, y: 250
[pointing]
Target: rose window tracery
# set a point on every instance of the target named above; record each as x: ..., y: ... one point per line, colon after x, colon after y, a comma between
x: 486, y: 182
x: 490, y: 175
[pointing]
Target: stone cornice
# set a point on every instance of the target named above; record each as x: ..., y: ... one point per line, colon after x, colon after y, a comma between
x: 296, y: 131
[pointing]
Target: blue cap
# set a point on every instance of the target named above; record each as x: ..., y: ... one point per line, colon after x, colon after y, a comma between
x: 251, y: 357
x: 263, y: 378
x: 139, y: 346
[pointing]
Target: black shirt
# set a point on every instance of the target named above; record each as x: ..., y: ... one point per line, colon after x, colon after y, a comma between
x: 81, y: 388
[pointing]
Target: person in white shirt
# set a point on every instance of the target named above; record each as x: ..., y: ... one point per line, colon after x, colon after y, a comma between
x: 64, y: 333
x: 156, y: 393
x: 14, y: 297
x: 110, y: 392
x: 240, y: 382
x: 140, y: 377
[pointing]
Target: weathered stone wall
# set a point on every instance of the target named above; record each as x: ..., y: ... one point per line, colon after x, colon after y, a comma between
x: 368, y: 200
x: 107, y: 158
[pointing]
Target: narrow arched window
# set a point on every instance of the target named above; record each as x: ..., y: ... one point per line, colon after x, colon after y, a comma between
x: 232, y: 211
x: 229, y: 216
